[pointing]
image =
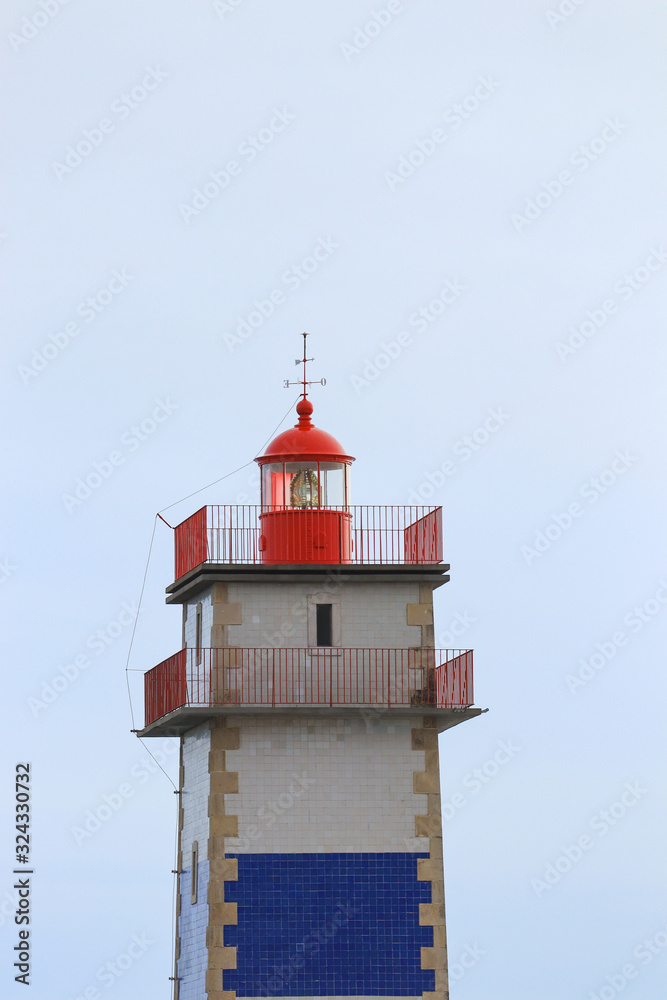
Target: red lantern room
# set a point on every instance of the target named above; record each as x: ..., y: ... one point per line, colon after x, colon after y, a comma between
x: 305, y: 492
x: 305, y: 496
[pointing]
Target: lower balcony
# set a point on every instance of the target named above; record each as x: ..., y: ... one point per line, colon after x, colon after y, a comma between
x: 196, y: 683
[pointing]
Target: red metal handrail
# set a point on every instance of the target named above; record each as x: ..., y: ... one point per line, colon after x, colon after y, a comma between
x: 190, y: 548
x: 319, y: 676
x: 378, y: 535
x: 165, y: 687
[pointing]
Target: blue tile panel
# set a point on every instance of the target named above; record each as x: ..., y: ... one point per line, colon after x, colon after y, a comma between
x: 192, y: 929
x: 328, y: 925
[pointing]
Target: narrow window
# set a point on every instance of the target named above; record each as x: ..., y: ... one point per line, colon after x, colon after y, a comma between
x: 194, y: 871
x: 324, y: 624
x: 198, y: 633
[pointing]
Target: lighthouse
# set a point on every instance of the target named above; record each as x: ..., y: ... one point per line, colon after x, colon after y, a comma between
x: 308, y: 696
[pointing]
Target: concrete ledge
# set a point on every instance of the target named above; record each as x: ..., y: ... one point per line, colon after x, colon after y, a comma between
x: 183, y: 719
x: 207, y: 574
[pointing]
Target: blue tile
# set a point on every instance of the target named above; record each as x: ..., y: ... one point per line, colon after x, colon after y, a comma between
x: 328, y: 924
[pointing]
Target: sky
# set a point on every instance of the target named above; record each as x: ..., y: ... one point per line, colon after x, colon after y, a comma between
x: 463, y: 204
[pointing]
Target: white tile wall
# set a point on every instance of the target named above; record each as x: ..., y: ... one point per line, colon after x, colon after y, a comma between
x: 196, y: 746
x: 372, y: 614
x: 324, y: 784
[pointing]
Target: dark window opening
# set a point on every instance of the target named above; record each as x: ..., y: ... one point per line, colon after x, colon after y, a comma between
x: 194, y: 871
x: 324, y: 624
x: 198, y: 630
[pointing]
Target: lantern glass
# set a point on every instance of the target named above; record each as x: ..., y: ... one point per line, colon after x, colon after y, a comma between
x: 305, y: 485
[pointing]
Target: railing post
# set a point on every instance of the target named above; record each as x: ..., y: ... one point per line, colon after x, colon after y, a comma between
x: 389, y: 684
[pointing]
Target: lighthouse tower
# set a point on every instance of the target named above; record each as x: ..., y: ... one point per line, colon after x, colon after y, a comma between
x: 308, y: 697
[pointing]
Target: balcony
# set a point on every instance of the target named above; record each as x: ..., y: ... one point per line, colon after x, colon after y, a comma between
x: 242, y: 679
x: 354, y: 535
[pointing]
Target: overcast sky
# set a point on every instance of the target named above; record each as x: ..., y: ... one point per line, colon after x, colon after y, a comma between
x: 463, y: 204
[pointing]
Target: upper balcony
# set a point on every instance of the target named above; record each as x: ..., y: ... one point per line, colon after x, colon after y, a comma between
x: 279, y: 535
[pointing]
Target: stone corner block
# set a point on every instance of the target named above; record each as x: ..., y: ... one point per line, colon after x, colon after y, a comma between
x: 428, y: 826
x: 433, y: 958
x: 222, y: 958
x: 430, y: 870
x: 424, y: 739
x: 227, y: 614
x: 224, y: 826
x: 213, y: 980
x: 226, y: 738
x: 431, y: 914
x: 221, y: 869
x: 425, y: 783
x: 420, y: 614
x: 224, y: 782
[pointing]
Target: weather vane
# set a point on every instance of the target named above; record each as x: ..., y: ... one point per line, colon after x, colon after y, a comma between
x: 303, y: 381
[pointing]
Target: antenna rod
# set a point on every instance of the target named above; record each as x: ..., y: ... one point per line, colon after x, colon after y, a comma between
x: 305, y: 359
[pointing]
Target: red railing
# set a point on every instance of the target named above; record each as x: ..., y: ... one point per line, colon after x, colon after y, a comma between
x: 165, y: 687
x: 232, y: 534
x: 190, y: 547
x: 322, y: 677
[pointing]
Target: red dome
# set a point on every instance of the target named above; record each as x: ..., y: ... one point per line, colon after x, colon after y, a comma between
x: 304, y: 441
